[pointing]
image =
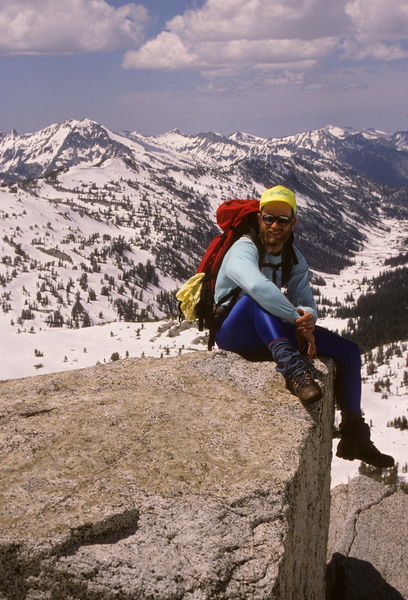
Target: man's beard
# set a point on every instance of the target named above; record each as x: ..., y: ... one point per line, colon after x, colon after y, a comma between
x: 274, y: 242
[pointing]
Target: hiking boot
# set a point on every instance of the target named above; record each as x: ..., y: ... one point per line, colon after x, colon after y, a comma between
x: 305, y: 387
x: 295, y: 370
x: 355, y: 443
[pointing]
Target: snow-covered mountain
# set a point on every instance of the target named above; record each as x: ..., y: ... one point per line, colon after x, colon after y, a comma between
x: 62, y: 146
x: 98, y: 225
x: 371, y: 153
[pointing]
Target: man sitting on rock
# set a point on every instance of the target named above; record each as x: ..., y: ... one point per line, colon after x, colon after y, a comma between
x: 264, y: 319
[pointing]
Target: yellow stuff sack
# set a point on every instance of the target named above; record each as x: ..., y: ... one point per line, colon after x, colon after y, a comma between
x: 189, y: 296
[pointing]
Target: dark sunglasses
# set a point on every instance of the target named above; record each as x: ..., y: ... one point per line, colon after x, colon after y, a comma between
x: 281, y: 220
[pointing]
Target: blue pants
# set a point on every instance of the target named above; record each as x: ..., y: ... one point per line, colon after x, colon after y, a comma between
x: 249, y: 330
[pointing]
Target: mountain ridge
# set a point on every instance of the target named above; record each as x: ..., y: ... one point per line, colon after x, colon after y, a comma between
x: 321, y: 140
x: 117, y: 221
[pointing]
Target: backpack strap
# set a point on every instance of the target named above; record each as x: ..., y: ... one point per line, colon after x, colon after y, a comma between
x: 273, y: 267
x: 289, y: 258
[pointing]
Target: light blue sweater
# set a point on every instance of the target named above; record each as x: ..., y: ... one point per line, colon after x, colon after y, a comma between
x: 240, y: 269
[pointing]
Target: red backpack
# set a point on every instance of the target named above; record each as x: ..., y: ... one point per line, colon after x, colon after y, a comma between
x: 230, y: 217
x: 233, y: 217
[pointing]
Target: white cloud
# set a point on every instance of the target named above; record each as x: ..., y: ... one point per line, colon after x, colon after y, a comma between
x: 255, y: 52
x: 232, y: 33
x: 363, y: 47
x: 277, y: 35
x: 388, y: 52
x: 379, y: 29
x: 260, y: 19
x: 68, y: 26
x: 379, y: 18
x: 166, y: 51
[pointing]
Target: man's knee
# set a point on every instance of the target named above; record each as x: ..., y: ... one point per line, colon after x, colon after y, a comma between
x: 336, y: 346
x: 353, y: 350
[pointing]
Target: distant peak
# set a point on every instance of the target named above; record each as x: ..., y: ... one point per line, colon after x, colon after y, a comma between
x: 372, y: 133
x: 74, y: 123
x: 243, y: 136
x: 173, y: 132
x: 86, y: 122
x: 339, y: 132
x: 238, y: 135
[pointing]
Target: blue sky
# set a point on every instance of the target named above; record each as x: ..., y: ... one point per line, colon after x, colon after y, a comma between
x: 269, y: 67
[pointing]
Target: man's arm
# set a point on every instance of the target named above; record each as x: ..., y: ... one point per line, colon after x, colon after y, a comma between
x: 242, y: 268
x: 299, y: 290
x: 300, y: 293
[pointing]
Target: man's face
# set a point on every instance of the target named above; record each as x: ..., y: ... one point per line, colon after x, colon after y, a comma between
x: 274, y: 236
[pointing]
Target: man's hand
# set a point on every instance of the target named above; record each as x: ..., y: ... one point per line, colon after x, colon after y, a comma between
x: 305, y: 323
x: 304, y: 333
x: 307, y: 345
x: 311, y: 347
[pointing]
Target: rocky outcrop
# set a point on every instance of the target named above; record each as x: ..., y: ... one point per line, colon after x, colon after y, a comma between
x: 189, y: 478
x: 367, y: 548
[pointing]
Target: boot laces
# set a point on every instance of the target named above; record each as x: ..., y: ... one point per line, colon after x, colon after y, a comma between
x: 303, y: 378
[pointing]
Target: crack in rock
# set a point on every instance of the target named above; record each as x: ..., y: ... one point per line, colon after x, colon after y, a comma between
x: 387, y: 492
